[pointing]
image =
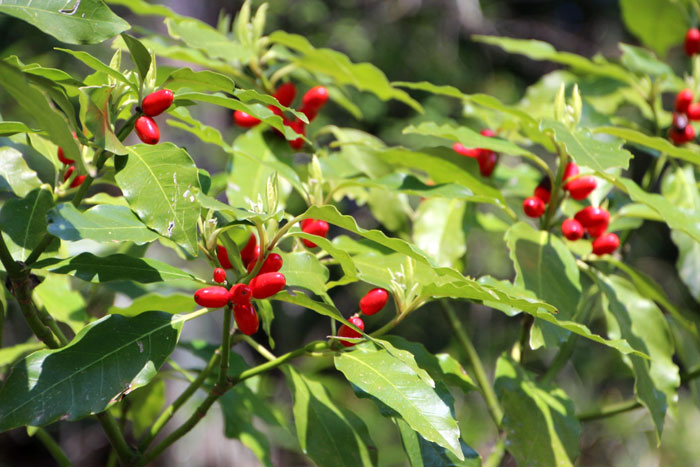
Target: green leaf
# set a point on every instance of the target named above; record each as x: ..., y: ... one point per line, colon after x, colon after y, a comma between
x: 423, y: 453
x: 97, y: 65
x: 95, y: 113
x: 449, y: 91
x: 392, y: 382
x: 9, y: 355
x: 142, y: 7
x: 641, y: 323
x: 658, y: 24
x: 35, y: 103
x: 102, y: 223
x: 118, y: 267
x: 653, y: 142
x: 201, y: 36
x: 544, y: 265
x: 587, y: 151
x: 437, y: 229
x: 539, y: 421
x: 16, y: 176
x: 175, y: 303
x: 410, y: 185
x: 160, y: 183
x: 344, y: 259
x: 85, y: 22
x: 145, y: 405
x: 62, y: 303
x: 644, y: 62
x: 139, y: 54
x: 12, y: 128
x: 363, y: 76
x: 303, y: 301
x: 302, y: 269
x: 108, y: 357
x: 23, y: 221
x: 327, y: 433
x: 198, y: 81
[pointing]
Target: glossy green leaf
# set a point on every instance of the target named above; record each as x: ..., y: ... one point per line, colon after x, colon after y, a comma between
x: 97, y: 65
x: 423, y: 453
x: 653, y: 142
x: 437, y: 229
x: 198, y: 81
x: 644, y: 62
x: 160, y: 183
x: 142, y: 7
x: 62, y: 302
x: 585, y: 150
x: 329, y: 434
x: 102, y: 223
x: 643, y: 325
x: 175, y: 303
x: 117, y: 267
x: 23, y: 221
x: 108, y: 357
x: 16, y: 176
x: 659, y: 24
x: 139, y: 54
x: 12, y: 128
x: 411, y: 185
x: 363, y: 76
x: 302, y: 269
x: 304, y: 301
x: 339, y: 254
x: 200, y: 35
x: 539, y: 421
x: 35, y: 103
x: 95, y: 113
x: 9, y: 355
x: 449, y: 91
x: 83, y: 22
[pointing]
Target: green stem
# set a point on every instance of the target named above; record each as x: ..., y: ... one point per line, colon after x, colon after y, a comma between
x: 482, y: 380
x: 283, y: 230
x: 225, y: 350
x: 690, y: 375
x: 556, y: 187
x: 259, y: 348
x: 53, y: 447
x: 496, y: 456
x: 23, y: 293
x: 51, y: 323
x: 13, y: 269
x: 116, y: 438
x: 168, y: 413
x: 524, y: 341
x: 609, y: 411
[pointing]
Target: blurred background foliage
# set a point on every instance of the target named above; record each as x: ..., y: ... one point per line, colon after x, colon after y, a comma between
x: 410, y: 40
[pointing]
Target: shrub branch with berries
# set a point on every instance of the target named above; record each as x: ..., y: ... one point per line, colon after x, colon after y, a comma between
x: 316, y: 226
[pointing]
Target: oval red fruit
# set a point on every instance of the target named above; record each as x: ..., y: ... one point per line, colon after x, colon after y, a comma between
x: 683, y: 99
x: 222, y: 256
x: 315, y: 98
x: 693, y: 112
x: 219, y: 275
x: 347, y: 331
x: 244, y: 120
x: 299, y: 127
x: 246, y: 318
x: 314, y: 227
x: 157, y: 102
x: 373, y: 301
x: 594, y: 220
x: 571, y: 170
x: 250, y: 251
x: 543, y: 190
x: 285, y: 94
x: 572, y: 229
x: 605, y: 244
x: 487, y: 160
x: 63, y: 158
x: 688, y: 134
x: 272, y: 263
x: 212, y: 297
x: 241, y: 293
x: 268, y: 284
x: 459, y: 148
x: 77, y: 181
x: 488, y: 133
x: 582, y: 187
x: 147, y: 130
x: 692, y: 41
x: 533, y: 207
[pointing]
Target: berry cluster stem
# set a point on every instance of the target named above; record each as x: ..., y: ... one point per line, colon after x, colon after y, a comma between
x: 556, y: 187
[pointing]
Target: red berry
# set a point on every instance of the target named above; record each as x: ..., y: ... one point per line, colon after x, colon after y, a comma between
x: 299, y: 127
x: 689, y: 133
x: 544, y: 190
x: 268, y: 284
x: 272, y: 263
x: 246, y: 318
x: 147, y: 130
x: 222, y: 256
x: 487, y: 160
x: 63, y: 158
x: 373, y: 301
x: 240, y: 293
x: 572, y: 229
x: 594, y: 220
x: 605, y: 244
x: 212, y: 297
x: 347, y: 331
x: 488, y: 133
x: 285, y: 94
x: 459, y: 148
x: 157, y: 102
x: 244, y: 120
x: 315, y: 98
x: 581, y: 187
x: 533, y: 206
x: 219, y: 275
x: 683, y: 99
x: 77, y: 181
x: 692, y: 41
x: 250, y: 251
x: 693, y: 112
x: 571, y: 170
x: 314, y: 227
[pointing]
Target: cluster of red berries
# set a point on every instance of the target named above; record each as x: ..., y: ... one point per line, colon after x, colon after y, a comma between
x: 692, y: 42
x: 265, y: 284
x: 486, y: 158
x: 681, y: 130
x: 313, y: 227
x: 578, y: 189
x: 153, y: 105
x: 311, y: 103
x: 78, y: 180
x: 371, y: 303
